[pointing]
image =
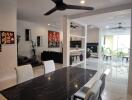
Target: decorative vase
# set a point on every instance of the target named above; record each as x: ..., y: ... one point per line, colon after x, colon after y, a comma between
x: 81, y: 57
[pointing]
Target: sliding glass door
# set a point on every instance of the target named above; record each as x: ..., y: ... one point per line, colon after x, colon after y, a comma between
x: 115, y: 47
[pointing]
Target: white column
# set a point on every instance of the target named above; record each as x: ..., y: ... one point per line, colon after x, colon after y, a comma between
x: 84, y: 44
x: 130, y: 64
x: 66, y: 41
x: 8, y: 56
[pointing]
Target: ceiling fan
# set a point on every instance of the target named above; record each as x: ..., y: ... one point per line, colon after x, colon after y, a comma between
x: 60, y: 5
x: 73, y: 26
x: 119, y: 27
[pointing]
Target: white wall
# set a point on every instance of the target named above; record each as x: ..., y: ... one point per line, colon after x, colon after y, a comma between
x: 77, y: 31
x: 93, y: 35
x: 8, y: 56
x: 36, y: 30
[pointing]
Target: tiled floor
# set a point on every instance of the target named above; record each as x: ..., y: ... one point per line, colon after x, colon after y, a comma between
x: 116, y: 81
x: 114, y: 91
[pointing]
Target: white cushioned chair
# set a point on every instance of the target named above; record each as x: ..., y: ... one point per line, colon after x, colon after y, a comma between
x: 49, y: 66
x: 93, y: 93
x: 81, y: 93
x: 24, y: 73
x: 103, y: 78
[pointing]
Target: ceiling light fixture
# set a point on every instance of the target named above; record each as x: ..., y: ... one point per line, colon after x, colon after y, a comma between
x: 61, y: 6
x: 107, y: 27
x: 48, y: 24
x: 82, y: 1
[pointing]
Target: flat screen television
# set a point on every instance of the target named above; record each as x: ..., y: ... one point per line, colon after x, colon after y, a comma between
x: 74, y: 44
x: 93, y: 47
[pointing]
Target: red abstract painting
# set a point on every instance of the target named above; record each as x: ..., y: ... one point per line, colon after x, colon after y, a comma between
x: 53, y: 39
x: 7, y: 37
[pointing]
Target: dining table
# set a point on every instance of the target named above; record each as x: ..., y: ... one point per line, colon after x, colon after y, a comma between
x: 57, y: 85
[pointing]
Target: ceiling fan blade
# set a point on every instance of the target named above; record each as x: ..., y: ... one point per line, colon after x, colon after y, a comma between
x: 79, y: 7
x: 51, y: 11
x: 113, y: 28
x: 126, y: 27
x: 56, y: 1
x: 117, y: 28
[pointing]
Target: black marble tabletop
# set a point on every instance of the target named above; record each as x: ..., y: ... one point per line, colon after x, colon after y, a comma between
x: 58, y: 85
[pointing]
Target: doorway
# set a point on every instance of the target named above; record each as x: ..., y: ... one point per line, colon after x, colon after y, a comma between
x: 115, y: 49
x: 112, y: 41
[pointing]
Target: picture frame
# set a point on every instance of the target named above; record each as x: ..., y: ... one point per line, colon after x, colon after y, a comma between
x: 0, y: 44
x: 0, y: 48
x: 53, y: 39
x: 38, y: 41
x: 7, y: 37
x: 27, y: 34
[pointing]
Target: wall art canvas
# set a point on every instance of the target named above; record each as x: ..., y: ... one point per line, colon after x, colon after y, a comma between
x: 0, y: 48
x: 0, y: 44
x: 27, y: 34
x: 7, y: 37
x: 53, y: 39
x: 38, y: 41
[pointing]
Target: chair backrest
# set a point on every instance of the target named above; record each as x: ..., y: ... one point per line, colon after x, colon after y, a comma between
x: 102, y: 78
x: 24, y: 73
x: 49, y: 66
x: 93, y: 93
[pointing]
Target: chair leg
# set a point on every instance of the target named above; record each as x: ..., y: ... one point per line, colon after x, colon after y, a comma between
x: 76, y: 98
x: 69, y: 98
x: 100, y: 98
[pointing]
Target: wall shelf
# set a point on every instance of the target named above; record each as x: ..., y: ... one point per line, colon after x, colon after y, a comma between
x: 76, y: 50
x: 73, y: 56
x: 77, y: 63
x: 77, y: 36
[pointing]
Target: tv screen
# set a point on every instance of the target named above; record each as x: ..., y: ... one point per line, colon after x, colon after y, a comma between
x: 93, y: 47
x: 73, y: 44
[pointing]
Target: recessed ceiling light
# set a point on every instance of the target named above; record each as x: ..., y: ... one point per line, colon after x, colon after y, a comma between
x: 107, y: 27
x: 82, y: 1
x: 48, y: 24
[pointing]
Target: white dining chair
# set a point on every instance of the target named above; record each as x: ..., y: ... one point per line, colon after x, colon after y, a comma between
x: 24, y: 73
x: 81, y: 93
x: 49, y: 66
x: 90, y: 93
x: 93, y: 93
x: 103, y: 78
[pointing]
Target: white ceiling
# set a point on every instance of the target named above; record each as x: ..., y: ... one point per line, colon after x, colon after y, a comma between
x: 33, y: 10
x: 108, y: 19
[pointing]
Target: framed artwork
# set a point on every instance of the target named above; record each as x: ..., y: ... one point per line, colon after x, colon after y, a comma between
x: 38, y: 41
x: 0, y: 44
x: 53, y: 39
x: 27, y: 34
x: 0, y: 48
x: 7, y: 37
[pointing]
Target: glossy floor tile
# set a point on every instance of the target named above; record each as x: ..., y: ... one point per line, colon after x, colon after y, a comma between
x: 116, y: 81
